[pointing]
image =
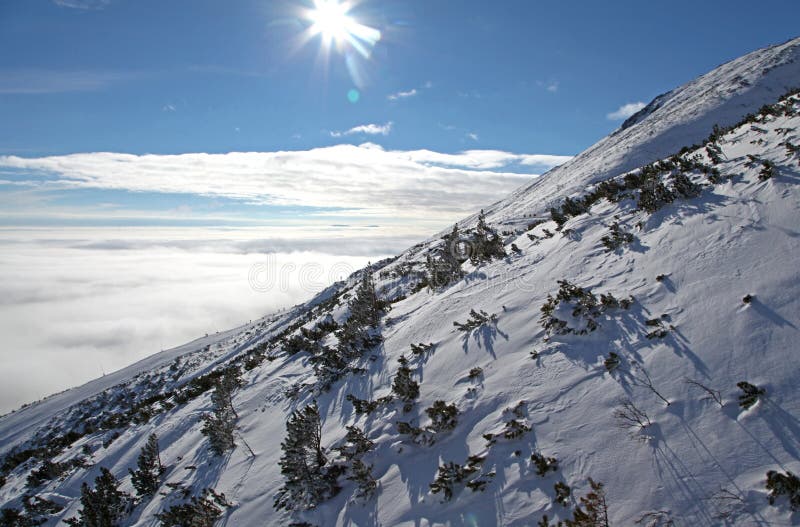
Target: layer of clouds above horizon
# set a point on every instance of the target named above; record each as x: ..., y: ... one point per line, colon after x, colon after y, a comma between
x: 351, y: 180
x: 110, y: 257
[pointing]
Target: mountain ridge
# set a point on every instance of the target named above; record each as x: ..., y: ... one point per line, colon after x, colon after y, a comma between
x: 645, y: 281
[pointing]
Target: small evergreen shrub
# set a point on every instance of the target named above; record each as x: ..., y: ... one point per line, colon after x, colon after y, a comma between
x: 451, y: 474
x: 750, y: 394
x: 593, y: 510
x: 199, y: 511
x: 612, y: 362
x: 768, y: 170
x: 422, y: 348
x: 563, y: 493
x: 475, y: 321
x: 355, y: 444
x: 784, y: 485
x: 475, y: 373
x: 443, y: 416
x: 544, y: 464
x: 515, y: 429
x: 684, y: 187
x: 362, y: 406
x: 585, y: 307
x: 653, y: 195
x: 616, y: 237
x: 47, y: 471
x: 366, y: 483
x: 408, y: 429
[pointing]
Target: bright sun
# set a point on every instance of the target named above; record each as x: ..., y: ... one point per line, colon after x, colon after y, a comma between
x: 331, y: 20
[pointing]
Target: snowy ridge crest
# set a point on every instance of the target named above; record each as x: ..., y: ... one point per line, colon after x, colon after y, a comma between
x: 614, y: 345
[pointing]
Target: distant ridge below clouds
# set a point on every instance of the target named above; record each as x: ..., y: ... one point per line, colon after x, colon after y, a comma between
x: 358, y: 180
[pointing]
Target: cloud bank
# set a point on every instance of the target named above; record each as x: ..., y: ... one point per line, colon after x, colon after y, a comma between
x: 361, y: 180
x: 71, y: 309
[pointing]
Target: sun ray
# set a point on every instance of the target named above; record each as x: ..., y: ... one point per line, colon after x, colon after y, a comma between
x: 337, y: 28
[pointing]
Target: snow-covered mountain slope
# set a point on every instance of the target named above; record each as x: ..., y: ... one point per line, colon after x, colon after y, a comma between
x: 671, y: 121
x: 610, y: 338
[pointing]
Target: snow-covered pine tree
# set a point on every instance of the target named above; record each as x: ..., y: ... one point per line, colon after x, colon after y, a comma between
x: 486, y: 243
x: 444, y: 266
x: 361, y: 473
x: 220, y: 424
x: 365, y: 308
x: 443, y: 416
x: 199, y: 511
x: 329, y: 365
x: 308, y: 478
x: 403, y: 385
x: 103, y: 506
x: 358, y: 331
x: 355, y: 444
x: 147, y: 477
x: 593, y: 511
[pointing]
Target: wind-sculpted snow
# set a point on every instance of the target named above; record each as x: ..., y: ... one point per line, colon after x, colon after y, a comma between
x: 610, y: 342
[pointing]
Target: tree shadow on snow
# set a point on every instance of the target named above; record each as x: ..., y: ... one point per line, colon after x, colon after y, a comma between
x: 484, y: 338
x: 670, y: 468
x: 783, y: 425
x: 770, y: 314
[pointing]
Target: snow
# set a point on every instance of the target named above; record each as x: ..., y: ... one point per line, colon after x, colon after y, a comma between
x: 738, y: 237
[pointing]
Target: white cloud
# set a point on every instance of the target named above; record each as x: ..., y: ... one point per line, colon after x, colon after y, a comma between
x: 402, y: 94
x: 473, y: 136
x: 625, y: 111
x: 483, y: 159
x: 364, y: 179
x: 551, y: 85
x: 168, y: 108
x: 82, y: 4
x: 370, y: 129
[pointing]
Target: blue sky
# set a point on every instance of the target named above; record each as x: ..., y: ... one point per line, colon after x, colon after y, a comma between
x: 211, y: 76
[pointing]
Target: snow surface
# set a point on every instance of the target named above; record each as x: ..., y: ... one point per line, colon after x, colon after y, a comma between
x: 738, y: 237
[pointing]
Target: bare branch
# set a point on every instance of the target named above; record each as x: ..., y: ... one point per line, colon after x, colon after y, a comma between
x: 644, y: 380
x: 712, y: 394
x: 627, y: 415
